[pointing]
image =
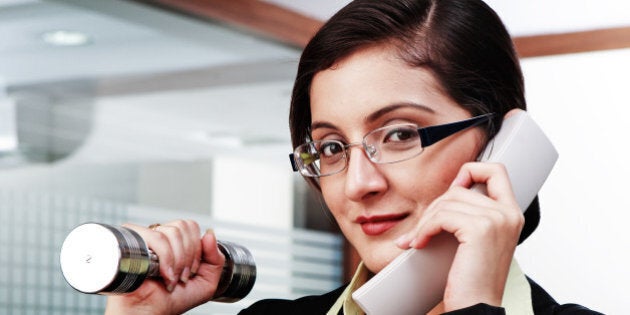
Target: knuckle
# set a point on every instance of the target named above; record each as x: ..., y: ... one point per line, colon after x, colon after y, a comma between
x: 193, y: 225
x: 179, y: 224
x: 500, y: 167
x: 519, y: 221
x: 189, y: 224
x: 172, y: 232
x: 161, y: 237
x: 512, y: 221
x: 487, y: 223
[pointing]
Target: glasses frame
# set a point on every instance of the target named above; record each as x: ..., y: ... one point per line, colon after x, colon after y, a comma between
x: 428, y: 136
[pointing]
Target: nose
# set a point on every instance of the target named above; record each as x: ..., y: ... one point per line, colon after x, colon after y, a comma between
x: 363, y: 178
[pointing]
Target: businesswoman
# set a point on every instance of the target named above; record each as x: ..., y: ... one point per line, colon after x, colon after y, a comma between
x: 375, y: 73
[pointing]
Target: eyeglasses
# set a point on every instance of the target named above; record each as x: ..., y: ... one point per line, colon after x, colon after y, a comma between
x: 385, y: 145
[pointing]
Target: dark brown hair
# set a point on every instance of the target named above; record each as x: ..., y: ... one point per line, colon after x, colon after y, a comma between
x: 462, y: 42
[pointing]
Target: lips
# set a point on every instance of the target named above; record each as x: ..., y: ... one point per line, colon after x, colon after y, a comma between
x: 375, y: 225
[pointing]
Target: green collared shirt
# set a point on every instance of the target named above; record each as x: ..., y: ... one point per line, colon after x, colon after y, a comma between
x: 517, y: 299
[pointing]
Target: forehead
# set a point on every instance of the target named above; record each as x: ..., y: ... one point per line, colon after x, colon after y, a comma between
x: 370, y: 79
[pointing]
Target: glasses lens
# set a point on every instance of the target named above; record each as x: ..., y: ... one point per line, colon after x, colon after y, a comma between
x: 393, y: 143
x: 321, y: 158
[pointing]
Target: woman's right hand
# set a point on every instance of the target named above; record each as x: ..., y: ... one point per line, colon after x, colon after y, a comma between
x: 487, y: 227
x: 190, y: 270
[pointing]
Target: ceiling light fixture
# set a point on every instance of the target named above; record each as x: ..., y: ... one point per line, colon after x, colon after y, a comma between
x: 66, y: 38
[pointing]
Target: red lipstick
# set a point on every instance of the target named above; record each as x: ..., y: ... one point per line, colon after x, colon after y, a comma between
x: 375, y: 225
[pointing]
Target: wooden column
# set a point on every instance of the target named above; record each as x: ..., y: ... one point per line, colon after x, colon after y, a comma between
x: 259, y: 17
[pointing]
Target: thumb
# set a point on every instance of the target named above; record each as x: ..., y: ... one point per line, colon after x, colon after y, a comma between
x: 211, y: 253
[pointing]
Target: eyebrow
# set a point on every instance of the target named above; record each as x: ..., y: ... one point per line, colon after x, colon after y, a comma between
x: 321, y: 124
x: 377, y: 114
x: 390, y: 108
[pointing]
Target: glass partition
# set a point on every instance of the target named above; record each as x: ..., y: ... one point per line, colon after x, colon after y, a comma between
x: 116, y: 111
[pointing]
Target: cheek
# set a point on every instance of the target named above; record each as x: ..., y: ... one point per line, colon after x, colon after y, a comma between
x: 424, y: 177
x: 428, y: 177
x: 332, y: 191
x: 443, y: 162
x: 446, y: 172
x: 419, y: 188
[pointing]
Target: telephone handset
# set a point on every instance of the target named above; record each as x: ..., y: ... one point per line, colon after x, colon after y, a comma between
x: 414, y: 282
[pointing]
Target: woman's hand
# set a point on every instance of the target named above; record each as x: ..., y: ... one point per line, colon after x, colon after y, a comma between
x: 487, y: 228
x: 190, y: 270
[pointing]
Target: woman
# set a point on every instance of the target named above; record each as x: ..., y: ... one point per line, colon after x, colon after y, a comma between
x: 374, y: 74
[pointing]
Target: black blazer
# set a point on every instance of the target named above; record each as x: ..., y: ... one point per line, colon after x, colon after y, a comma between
x: 542, y: 302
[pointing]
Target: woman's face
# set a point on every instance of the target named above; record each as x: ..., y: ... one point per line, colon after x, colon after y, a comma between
x: 374, y: 204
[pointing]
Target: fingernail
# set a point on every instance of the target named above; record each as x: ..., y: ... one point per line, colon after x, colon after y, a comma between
x: 185, y: 275
x: 210, y: 231
x: 171, y: 285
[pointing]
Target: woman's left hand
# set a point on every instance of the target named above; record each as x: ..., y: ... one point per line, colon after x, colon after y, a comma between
x: 487, y: 228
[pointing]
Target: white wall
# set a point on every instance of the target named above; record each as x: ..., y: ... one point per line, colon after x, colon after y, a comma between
x: 8, y: 128
x: 250, y: 191
x: 580, y: 252
x: 533, y: 17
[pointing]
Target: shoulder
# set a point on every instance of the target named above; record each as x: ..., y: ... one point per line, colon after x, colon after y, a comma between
x: 312, y: 304
x: 544, y: 304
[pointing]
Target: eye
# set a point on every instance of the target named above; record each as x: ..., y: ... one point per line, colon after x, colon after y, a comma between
x: 400, y: 134
x: 330, y: 148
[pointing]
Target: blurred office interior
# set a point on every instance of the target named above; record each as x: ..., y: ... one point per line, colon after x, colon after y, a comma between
x: 147, y: 111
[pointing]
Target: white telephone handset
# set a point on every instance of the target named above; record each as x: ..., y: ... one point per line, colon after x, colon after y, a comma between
x: 414, y: 282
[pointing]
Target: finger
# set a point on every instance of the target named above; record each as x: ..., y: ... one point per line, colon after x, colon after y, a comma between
x: 211, y: 253
x: 203, y: 286
x: 435, y: 221
x: 410, y: 239
x: 466, y: 195
x: 187, y: 238
x: 468, y: 222
x: 195, y: 233
x: 452, y: 221
x: 493, y: 175
x: 176, y: 236
x: 509, y: 206
x: 159, y: 243
x: 456, y: 198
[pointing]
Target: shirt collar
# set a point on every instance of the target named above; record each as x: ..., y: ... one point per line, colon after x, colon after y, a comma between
x: 345, y: 299
x: 517, y: 297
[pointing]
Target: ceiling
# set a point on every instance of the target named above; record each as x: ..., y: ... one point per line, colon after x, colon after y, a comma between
x: 130, y: 38
x: 126, y: 38
x: 197, y: 88
x: 200, y: 87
